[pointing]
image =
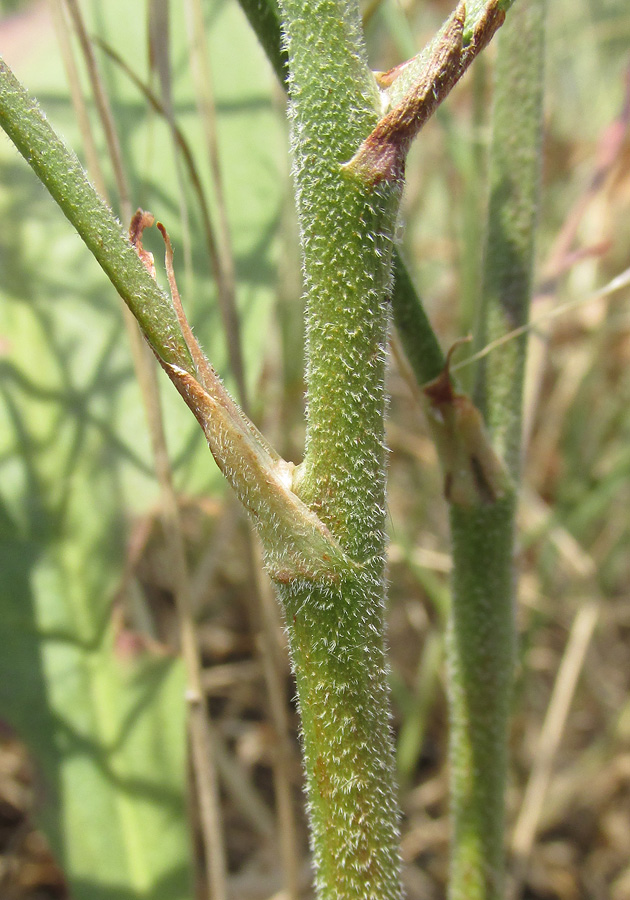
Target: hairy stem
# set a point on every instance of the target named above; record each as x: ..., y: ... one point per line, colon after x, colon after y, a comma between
x: 62, y: 174
x: 416, y: 334
x: 481, y: 629
x: 480, y: 643
x: 509, y: 252
x: 336, y: 630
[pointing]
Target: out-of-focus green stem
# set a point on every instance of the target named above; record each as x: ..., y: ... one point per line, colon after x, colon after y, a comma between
x: 62, y: 174
x: 481, y: 629
x: 514, y: 187
x: 417, y: 337
x: 480, y: 651
x: 264, y: 17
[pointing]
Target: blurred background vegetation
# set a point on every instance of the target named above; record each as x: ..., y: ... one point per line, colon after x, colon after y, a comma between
x: 84, y: 575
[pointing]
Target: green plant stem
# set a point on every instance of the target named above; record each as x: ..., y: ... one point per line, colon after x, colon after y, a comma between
x: 336, y: 630
x: 62, y: 174
x: 416, y: 334
x: 481, y: 629
x: 480, y: 651
x: 264, y: 17
x: 514, y: 186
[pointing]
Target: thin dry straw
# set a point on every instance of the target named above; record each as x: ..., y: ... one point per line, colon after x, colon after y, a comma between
x: 616, y: 284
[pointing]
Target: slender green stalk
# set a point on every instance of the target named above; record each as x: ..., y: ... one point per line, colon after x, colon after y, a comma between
x: 514, y: 185
x: 481, y: 630
x: 480, y: 651
x: 264, y: 17
x: 61, y: 172
x: 416, y: 335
